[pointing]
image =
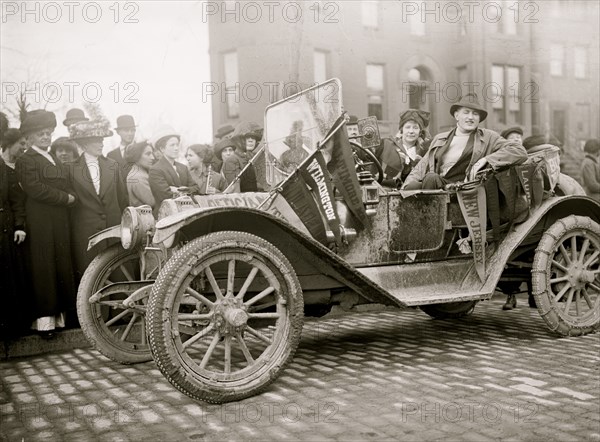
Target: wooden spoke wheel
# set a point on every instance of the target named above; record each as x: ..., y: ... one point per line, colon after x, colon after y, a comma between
x: 565, y: 276
x: 449, y: 310
x: 116, y: 331
x: 225, y: 316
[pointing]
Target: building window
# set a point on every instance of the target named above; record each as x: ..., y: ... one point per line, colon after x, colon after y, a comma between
x: 583, y: 113
x: 232, y: 84
x: 370, y: 14
x: 375, y: 89
x: 580, y: 62
x: 320, y: 66
x: 557, y: 60
x: 505, y: 95
x: 417, y: 25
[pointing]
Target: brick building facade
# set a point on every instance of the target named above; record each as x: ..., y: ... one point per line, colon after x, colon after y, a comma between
x: 534, y: 64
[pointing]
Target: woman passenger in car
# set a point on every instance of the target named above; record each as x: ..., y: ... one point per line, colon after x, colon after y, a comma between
x: 398, y: 155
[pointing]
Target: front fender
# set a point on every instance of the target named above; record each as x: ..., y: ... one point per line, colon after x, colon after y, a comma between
x: 111, y: 232
x: 299, y: 247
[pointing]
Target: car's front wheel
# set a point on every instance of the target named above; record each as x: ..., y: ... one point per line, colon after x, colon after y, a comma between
x: 225, y: 316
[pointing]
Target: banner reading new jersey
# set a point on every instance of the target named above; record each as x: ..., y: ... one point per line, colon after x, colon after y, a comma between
x: 317, y: 177
x: 473, y: 206
x: 343, y: 171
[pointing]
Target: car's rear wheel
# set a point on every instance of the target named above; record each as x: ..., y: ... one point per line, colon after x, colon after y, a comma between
x: 225, y: 316
x: 449, y: 310
x: 566, y: 276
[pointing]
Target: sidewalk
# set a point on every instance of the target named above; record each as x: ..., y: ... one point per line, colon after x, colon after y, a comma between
x: 32, y: 345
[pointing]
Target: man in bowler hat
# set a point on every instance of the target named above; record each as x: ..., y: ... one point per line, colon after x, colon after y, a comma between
x: 459, y: 154
x: 74, y: 116
x: 126, y: 130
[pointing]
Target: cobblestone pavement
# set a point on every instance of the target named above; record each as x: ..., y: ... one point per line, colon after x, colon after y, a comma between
x: 392, y: 375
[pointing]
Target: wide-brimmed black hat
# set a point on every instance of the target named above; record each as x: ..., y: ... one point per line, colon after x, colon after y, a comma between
x: 37, y: 120
x: 74, y: 116
x: 470, y: 101
x: 511, y: 130
x: 125, y: 122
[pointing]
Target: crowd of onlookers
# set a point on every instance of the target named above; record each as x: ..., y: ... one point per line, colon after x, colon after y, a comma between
x: 55, y: 195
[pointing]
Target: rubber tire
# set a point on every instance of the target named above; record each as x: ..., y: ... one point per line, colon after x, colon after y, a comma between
x: 449, y: 310
x: 165, y: 290
x: 87, y: 319
x: 543, y: 254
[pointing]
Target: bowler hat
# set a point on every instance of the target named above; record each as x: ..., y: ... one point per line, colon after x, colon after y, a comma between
x: 37, y: 120
x: 418, y: 116
x: 223, y: 131
x: 353, y: 119
x: 125, y: 122
x: 90, y: 129
x: 74, y: 116
x: 511, y: 130
x: 470, y: 101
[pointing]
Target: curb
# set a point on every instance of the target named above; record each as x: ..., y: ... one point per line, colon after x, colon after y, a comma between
x: 32, y: 345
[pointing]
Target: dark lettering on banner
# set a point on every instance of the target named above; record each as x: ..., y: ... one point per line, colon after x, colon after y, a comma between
x: 302, y: 202
x: 473, y: 206
x: 344, y: 172
x: 318, y: 179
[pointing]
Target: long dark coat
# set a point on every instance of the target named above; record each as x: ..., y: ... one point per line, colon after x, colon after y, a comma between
x: 47, y: 188
x: 92, y: 212
x: 14, y: 290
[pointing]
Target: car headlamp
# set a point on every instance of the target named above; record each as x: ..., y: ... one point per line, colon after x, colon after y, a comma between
x: 136, y: 223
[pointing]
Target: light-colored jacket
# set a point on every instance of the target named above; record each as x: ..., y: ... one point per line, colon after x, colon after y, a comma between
x: 138, y: 187
x: 498, y: 151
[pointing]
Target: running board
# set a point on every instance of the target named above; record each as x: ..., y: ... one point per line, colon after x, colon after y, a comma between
x: 428, y: 283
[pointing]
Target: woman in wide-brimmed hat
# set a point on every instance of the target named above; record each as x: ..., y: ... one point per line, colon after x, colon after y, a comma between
x: 399, y: 155
x: 232, y: 164
x: 99, y: 188
x: 49, y: 195
x: 247, y: 136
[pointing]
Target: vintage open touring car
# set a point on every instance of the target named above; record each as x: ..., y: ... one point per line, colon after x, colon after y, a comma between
x: 216, y: 289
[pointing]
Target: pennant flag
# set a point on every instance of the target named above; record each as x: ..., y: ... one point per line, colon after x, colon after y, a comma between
x: 343, y: 170
x: 317, y: 177
x: 300, y: 199
x: 473, y: 206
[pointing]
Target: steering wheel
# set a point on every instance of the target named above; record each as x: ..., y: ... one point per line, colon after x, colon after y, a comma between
x: 370, y: 159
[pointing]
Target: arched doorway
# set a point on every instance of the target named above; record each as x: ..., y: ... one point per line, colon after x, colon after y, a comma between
x: 419, y: 91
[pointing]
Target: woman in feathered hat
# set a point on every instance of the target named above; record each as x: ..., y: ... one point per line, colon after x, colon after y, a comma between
x: 99, y: 188
x: 49, y: 195
x: 400, y: 154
